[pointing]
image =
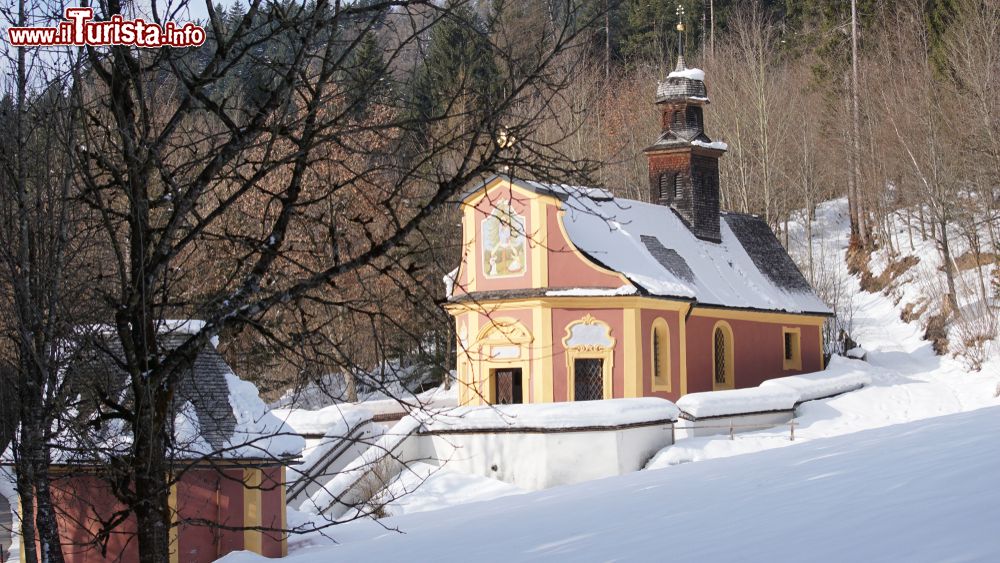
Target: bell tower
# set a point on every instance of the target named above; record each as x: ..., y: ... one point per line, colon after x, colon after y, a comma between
x: 684, y: 161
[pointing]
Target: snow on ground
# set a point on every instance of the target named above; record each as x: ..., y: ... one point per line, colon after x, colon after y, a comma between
x: 422, y: 487
x: 922, y: 491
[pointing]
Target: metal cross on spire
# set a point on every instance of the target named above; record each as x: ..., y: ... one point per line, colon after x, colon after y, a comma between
x: 680, y: 38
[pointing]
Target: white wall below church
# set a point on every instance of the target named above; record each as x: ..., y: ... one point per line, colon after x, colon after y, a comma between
x: 539, y: 460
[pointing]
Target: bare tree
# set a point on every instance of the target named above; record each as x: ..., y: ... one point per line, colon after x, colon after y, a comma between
x: 173, y: 164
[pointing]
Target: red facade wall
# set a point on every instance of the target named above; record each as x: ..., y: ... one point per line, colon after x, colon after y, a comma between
x: 674, y: 320
x: 567, y: 268
x: 203, y: 493
x: 561, y: 318
x: 82, y: 503
x: 270, y: 500
x: 758, y: 351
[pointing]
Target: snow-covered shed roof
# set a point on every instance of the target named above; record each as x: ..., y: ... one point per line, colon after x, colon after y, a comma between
x: 215, y: 413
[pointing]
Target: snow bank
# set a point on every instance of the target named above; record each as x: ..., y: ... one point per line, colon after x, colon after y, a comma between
x: 738, y: 401
x: 582, y: 414
x: 332, y: 420
x: 421, y: 487
x: 841, y: 376
x: 689, y: 73
x: 258, y: 433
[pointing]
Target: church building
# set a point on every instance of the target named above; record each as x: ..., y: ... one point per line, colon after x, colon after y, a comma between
x: 567, y: 293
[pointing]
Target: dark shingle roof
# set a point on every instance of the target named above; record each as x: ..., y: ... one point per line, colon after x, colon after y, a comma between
x: 97, y: 370
x: 668, y: 258
x: 766, y: 251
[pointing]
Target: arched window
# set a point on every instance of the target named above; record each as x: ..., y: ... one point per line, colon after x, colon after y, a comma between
x: 723, y: 366
x: 660, y: 355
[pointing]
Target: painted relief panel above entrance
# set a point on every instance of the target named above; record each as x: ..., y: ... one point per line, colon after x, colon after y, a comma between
x: 504, y: 240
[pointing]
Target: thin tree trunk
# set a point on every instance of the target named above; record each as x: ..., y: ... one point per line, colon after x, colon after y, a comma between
x: 607, y: 41
x: 711, y: 42
x: 949, y: 267
x: 860, y: 228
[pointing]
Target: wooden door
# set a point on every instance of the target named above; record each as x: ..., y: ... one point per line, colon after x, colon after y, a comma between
x: 508, y: 385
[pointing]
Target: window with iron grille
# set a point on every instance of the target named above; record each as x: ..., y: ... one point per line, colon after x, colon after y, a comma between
x: 789, y: 351
x: 656, y: 353
x: 661, y: 353
x: 588, y: 379
x: 720, y: 356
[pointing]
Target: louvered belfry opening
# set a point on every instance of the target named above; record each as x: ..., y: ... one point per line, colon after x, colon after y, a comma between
x: 720, y: 356
x: 508, y: 382
x: 588, y: 378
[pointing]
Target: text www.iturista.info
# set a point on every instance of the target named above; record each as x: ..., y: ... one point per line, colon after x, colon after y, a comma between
x: 79, y: 28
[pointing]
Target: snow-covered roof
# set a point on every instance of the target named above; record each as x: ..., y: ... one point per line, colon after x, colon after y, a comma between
x: 689, y: 73
x: 841, y: 376
x: 560, y: 191
x: 215, y: 413
x: 651, y: 246
x: 562, y: 416
x: 738, y: 401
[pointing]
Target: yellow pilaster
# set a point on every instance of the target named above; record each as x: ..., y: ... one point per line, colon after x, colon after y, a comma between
x: 632, y: 353
x: 175, y: 551
x: 548, y: 352
x: 819, y: 337
x: 538, y: 241
x: 252, y: 537
x: 681, y: 322
x: 538, y: 375
x: 471, y: 384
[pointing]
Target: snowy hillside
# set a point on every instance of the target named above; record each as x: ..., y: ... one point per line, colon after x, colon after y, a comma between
x: 922, y: 491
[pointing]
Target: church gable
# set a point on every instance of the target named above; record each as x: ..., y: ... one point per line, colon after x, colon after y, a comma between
x: 514, y: 243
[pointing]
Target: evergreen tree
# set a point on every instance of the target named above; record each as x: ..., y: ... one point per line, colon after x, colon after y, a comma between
x: 365, y: 77
x: 649, y: 32
x: 458, y: 69
x: 939, y: 15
